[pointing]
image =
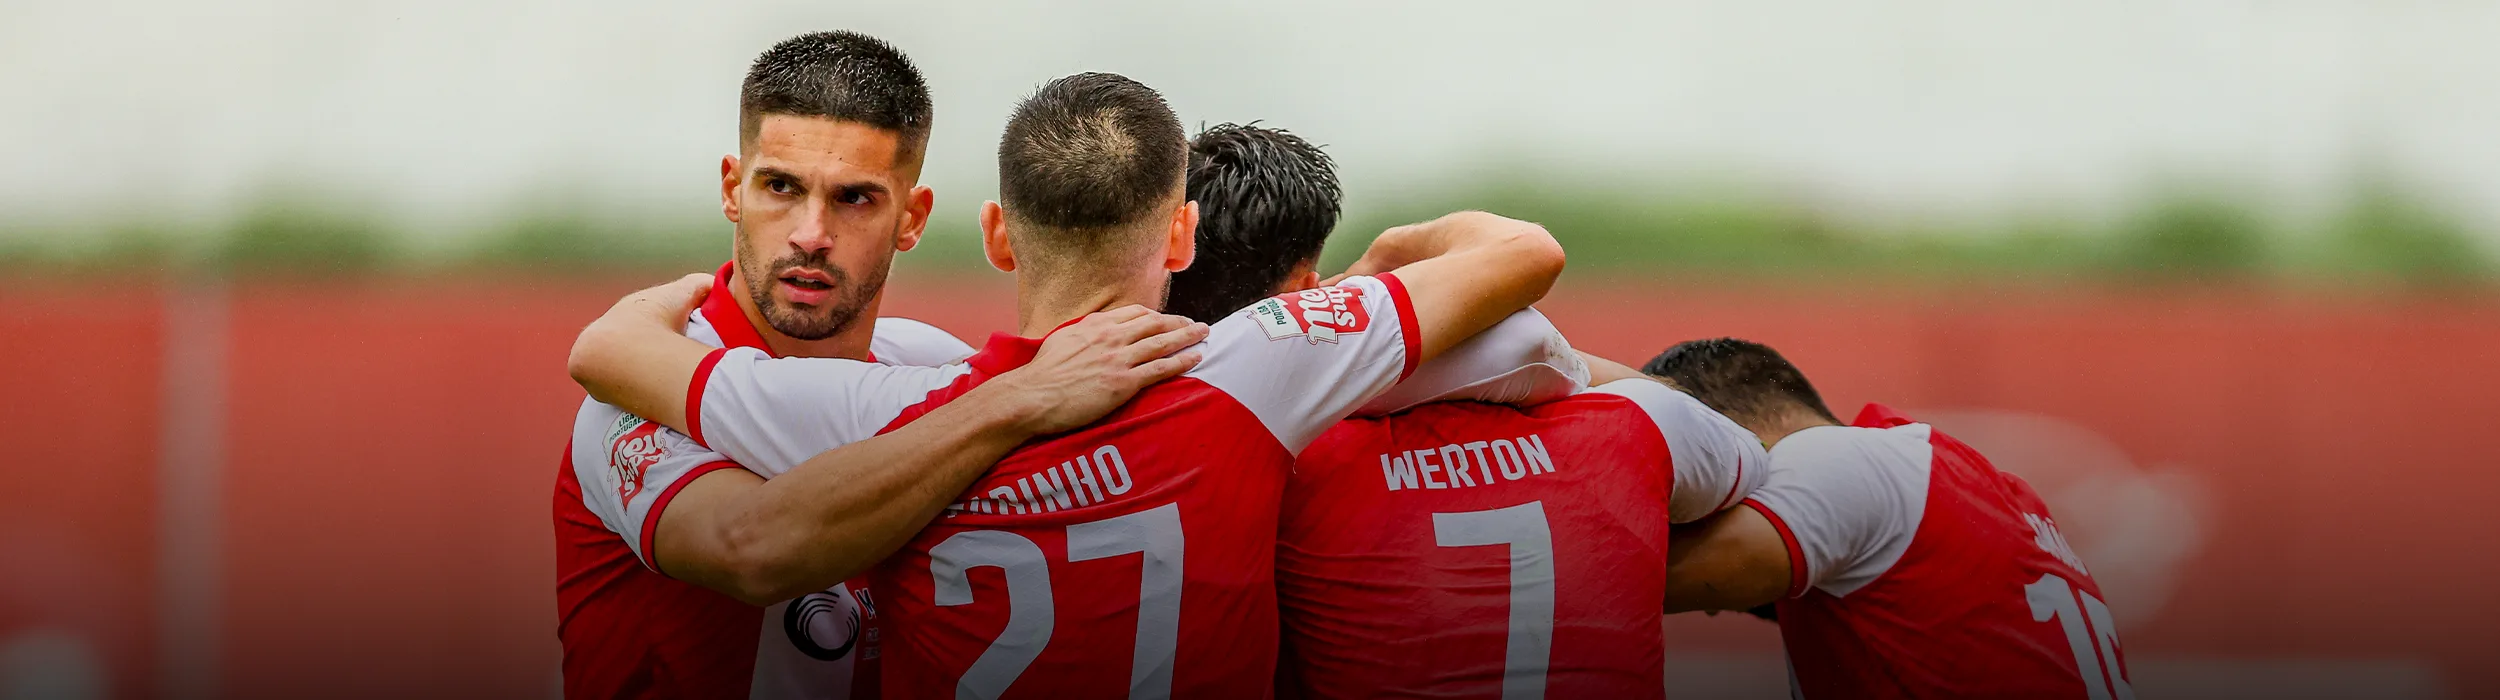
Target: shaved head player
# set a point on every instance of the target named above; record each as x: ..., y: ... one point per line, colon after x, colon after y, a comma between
x: 1133, y: 557
x: 682, y: 576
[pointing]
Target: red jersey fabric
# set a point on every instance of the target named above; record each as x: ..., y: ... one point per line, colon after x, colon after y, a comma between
x: 1985, y: 601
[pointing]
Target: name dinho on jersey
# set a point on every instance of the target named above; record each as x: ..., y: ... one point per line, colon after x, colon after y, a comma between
x: 1084, y: 480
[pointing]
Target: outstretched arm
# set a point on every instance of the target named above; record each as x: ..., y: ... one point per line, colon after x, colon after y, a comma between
x: 1730, y: 561
x: 833, y: 515
x: 1464, y: 272
x: 634, y: 357
x: 842, y: 511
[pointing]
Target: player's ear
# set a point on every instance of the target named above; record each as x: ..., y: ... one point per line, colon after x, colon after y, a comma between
x: 729, y: 180
x: 915, y: 217
x: 1180, y: 245
x: 994, y: 237
x: 1305, y: 276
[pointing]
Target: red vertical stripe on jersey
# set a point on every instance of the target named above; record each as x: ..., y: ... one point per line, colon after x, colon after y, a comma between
x: 694, y: 394
x: 1406, y: 322
x: 1796, y: 555
x: 651, y: 521
x: 1732, y: 486
x: 730, y: 322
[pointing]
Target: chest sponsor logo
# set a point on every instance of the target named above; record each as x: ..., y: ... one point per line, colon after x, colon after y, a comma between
x: 633, y: 448
x: 1318, y: 314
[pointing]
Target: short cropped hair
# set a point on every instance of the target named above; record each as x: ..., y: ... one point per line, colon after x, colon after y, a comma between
x: 1746, y: 381
x: 841, y: 75
x: 1086, y: 157
x: 1267, y: 201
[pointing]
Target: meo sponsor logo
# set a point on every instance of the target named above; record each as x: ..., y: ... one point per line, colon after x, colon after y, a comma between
x: 633, y: 447
x: 1319, y: 314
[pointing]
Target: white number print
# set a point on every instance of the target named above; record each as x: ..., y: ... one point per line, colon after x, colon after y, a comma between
x: 1531, y: 640
x: 2085, y: 624
x: 1154, y: 533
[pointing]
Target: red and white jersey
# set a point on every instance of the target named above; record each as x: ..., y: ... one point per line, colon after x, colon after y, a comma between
x: 1471, y: 550
x: 1920, y: 571
x: 1134, y: 557
x: 630, y: 631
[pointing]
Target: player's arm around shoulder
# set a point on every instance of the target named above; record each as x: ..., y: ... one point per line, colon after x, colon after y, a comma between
x: 1463, y: 273
x: 839, y: 512
x: 1302, y: 361
x: 635, y: 358
x: 1833, y: 506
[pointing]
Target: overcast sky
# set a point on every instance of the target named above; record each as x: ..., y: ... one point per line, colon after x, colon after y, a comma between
x: 458, y: 110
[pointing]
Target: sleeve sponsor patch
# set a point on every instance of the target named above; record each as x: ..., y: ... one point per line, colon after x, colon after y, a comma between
x: 633, y: 449
x: 1317, y: 314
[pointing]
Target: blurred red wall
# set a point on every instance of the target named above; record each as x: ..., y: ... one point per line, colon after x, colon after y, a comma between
x: 389, y: 451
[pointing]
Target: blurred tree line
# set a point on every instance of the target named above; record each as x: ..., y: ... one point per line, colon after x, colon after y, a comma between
x: 2377, y: 235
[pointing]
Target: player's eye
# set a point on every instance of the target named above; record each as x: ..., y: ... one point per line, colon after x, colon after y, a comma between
x: 854, y: 198
x: 781, y: 186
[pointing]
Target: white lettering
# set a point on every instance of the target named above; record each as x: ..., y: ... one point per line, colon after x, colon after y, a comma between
x: 1475, y: 450
x: 1052, y: 488
x: 1006, y: 498
x: 1108, y: 459
x: 1455, y: 460
x: 1506, y: 456
x: 1399, y: 470
x: 1532, y: 448
x: 1423, y: 462
x: 1081, y: 475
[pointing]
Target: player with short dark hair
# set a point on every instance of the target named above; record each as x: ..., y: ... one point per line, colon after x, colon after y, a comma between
x: 1428, y: 552
x: 1267, y: 200
x: 1135, y: 556
x: 681, y: 575
x: 1903, y: 563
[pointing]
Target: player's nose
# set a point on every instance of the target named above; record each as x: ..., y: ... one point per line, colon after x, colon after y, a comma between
x: 815, y: 230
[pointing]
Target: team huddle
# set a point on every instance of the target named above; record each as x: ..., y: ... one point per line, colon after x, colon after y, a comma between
x: 1197, y: 469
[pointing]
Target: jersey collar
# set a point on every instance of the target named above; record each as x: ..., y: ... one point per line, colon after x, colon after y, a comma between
x: 1006, y: 352
x: 727, y: 320
x: 1877, y: 415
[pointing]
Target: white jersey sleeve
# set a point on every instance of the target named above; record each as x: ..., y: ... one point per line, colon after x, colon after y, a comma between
x: 1848, y: 501
x: 1521, y: 361
x: 770, y: 414
x: 1717, y: 462
x: 902, y: 341
x: 629, y: 468
x: 1304, y: 360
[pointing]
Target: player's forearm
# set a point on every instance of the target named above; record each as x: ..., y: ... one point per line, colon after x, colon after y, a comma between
x: 842, y: 511
x: 1482, y: 268
x: 1730, y: 561
x: 636, y: 362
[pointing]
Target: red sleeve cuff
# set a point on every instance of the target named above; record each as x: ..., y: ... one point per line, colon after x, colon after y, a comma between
x: 651, y: 519
x: 694, y: 395
x: 1406, y: 322
x: 1796, y: 555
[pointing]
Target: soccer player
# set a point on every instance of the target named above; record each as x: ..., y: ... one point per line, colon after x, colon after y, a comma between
x: 1133, y: 557
x: 664, y: 552
x: 1903, y: 564
x: 1459, y: 549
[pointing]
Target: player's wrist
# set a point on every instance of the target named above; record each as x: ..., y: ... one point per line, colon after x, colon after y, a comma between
x: 1003, y: 409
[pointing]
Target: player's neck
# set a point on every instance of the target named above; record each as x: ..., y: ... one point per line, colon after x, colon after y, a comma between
x: 1786, y: 423
x: 850, y: 344
x: 1045, y: 301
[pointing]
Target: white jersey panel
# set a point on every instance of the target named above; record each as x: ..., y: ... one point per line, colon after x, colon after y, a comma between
x: 1522, y: 361
x: 1852, y: 497
x: 626, y: 464
x: 902, y: 341
x: 1304, y: 360
x: 770, y: 414
x: 1717, y: 462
